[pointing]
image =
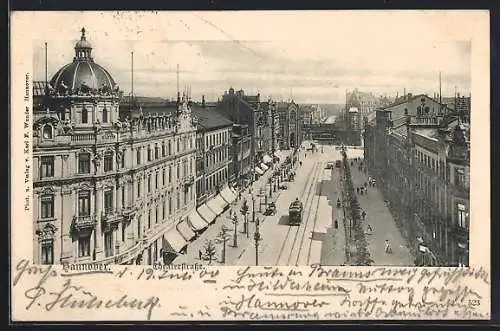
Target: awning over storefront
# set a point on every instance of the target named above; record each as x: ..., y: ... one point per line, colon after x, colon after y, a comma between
x: 206, y: 213
x: 196, y: 221
x: 174, y: 242
x: 264, y: 167
x: 267, y: 159
x: 259, y: 171
x: 185, y: 230
x: 228, y: 195
x: 217, y: 205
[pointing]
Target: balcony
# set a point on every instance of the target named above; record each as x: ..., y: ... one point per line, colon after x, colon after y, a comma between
x: 126, y: 256
x: 82, y: 223
x: 128, y: 212
x: 188, y: 180
x: 110, y: 219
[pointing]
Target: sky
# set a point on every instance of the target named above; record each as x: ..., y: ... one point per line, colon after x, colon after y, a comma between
x: 310, y: 56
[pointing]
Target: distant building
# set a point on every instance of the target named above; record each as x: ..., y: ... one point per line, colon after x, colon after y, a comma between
x: 418, y: 151
x: 290, y: 126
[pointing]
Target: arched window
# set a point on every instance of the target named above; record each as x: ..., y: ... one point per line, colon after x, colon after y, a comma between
x: 104, y: 115
x: 85, y: 115
x: 47, y: 131
x: 426, y: 109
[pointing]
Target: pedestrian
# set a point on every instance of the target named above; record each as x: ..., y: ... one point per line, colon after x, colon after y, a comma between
x: 388, y: 248
x: 369, y: 229
x: 361, y: 190
x: 200, y: 254
x: 363, y: 214
x: 370, y: 179
x: 357, y: 190
x: 366, y: 184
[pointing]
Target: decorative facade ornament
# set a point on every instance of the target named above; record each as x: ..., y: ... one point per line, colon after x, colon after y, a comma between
x: 85, y: 186
x: 46, y: 233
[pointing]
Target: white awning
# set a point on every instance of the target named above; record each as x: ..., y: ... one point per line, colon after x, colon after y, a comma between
x: 267, y: 159
x: 264, y: 167
x: 185, y: 230
x: 228, y: 195
x: 197, y: 223
x: 206, y: 213
x: 217, y: 205
x: 174, y: 241
x: 259, y: 171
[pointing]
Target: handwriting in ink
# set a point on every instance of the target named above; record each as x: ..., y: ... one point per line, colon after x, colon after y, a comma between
x: 77, y: 297
x: 23, y: 267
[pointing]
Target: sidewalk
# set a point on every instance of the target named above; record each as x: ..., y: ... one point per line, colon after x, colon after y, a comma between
x: 244, y: 243
x: 383, y: 224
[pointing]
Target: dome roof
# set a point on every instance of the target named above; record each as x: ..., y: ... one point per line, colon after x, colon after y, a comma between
x: 83, y: 72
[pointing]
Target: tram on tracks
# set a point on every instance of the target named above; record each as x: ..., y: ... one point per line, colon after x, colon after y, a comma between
x: 295, y: 212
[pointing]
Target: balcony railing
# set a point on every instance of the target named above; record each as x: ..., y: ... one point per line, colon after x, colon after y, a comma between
x: 188, y: 180
x: 84, y: 222
x: 126, y: 256
x: 110, y: 218
x: 128, y: 212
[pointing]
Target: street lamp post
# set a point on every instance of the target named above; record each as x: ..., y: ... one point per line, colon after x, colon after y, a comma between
x: 257, y: 238
x: 235, y: 238
x: 253, y: 208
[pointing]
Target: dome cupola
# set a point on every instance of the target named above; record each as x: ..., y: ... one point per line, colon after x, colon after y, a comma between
x: 83, y: 75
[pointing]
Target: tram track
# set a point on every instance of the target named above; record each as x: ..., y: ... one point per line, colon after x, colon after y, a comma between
x: 293, y: 230
x: 312, y: 211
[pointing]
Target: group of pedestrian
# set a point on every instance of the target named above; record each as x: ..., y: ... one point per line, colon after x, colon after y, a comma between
x: 371, y: 181
x: 362, y: 189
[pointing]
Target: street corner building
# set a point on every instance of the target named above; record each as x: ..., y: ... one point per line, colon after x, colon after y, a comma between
x: 418, y: 148
x: 113, y: 182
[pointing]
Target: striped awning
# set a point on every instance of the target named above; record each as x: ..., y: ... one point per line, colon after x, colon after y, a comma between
x: 228, y: 195
x: 217, y: 205
x: 207, y: 214
x: 174, y: 242
x: 185, y: 230
x: 196, y: 221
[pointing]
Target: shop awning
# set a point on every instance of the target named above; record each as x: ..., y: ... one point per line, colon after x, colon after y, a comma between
x: 259, y: 171
x: 174, y: 242
x: 267, y: 159
x: 185, y: 230
x: 196, y: 221
x: 217, y: 205
x: 228, y: 195
x: 264, y: 167
x: 206, y: 213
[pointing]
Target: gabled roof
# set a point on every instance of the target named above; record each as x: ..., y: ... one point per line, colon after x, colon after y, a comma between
x: 209, y: 119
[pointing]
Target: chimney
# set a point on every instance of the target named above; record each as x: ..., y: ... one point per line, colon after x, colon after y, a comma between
x: 203, y: 101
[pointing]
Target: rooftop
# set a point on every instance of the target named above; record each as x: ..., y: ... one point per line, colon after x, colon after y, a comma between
x: 210, y: 119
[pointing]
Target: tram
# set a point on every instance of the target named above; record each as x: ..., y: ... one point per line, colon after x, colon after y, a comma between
x: 295, y: 212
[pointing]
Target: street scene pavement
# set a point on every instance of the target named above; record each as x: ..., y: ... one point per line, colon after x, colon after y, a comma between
x: 320, y: 237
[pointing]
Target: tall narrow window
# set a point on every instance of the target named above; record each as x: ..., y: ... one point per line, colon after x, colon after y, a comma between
x: 156, y: 180
x: 138, y: 155
x: 163, y: 177
x: 108, y: 244
x: 47, y: 131
x: 108, y: 201
x: 150, y: 154
x: 157, y: 152
x: 85, y: 115
x: 47, y: 206
x: 156, y: 214
x: 461, y: 216
x: 84, y: 245
x: 149, y: 219
x: 163, y: 150
x: 108, y: 162
x: 84, y: 203
x: 84, y: 163
x: 46, y: 167
x: 169, y: 174
x: 47, y: 250
x: 149, y: 183
x: 104, y: 115
x: 138, y: 188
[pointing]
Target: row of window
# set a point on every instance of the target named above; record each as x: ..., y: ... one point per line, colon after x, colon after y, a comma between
x: 217, y: 156
x: 216, y: 139
x: 84, y: 163
x: 84, y: 199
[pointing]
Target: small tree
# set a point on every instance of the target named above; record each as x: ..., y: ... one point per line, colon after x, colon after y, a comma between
x: 222, y: 237
x: 209, y: 251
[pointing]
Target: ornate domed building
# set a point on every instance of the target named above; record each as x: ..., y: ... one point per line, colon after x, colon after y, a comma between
x: 106, y: 189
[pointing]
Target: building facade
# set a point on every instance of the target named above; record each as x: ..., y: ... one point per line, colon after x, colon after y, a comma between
x: 107, y: 189
x: 213, y: 155
x: 241, y: 162
x: 290, y: 125
x: 421, y: 162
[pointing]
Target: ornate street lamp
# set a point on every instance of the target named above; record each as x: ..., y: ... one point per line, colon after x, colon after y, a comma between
x: 257, y: 237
